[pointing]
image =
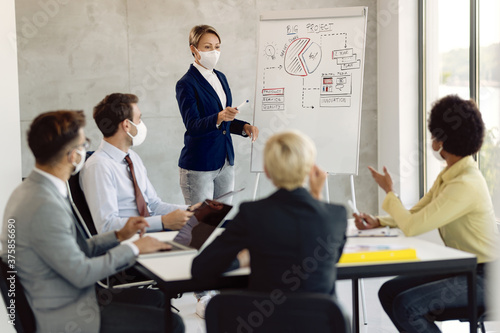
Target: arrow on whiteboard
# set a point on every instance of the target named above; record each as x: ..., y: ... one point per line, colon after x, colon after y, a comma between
x: 264, y: 74
x: 303, y: 93
x: 303, y: 106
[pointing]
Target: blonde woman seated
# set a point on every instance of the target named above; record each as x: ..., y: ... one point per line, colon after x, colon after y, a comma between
x: 293, y: 238
x: 458, y: 204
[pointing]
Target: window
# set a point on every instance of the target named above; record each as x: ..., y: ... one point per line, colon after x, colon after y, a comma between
x: 447, y: 55
x: 489, y: 95
x: 450, y: 69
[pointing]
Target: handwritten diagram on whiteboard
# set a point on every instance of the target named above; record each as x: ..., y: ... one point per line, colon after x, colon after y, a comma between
x: 310, y: 77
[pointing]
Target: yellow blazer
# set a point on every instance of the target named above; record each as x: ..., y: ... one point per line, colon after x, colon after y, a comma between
x: 458, y: 204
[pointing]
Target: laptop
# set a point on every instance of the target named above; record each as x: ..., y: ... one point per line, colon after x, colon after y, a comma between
x: 194, y: 234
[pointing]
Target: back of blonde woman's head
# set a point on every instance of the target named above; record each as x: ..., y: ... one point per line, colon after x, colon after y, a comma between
x: 288, y: 158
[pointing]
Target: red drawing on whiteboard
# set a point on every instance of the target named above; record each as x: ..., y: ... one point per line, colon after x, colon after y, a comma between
x: 302, y: 57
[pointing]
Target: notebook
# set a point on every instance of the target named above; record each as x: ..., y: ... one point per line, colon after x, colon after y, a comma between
x: 371, y: 253
x: 198, y: 229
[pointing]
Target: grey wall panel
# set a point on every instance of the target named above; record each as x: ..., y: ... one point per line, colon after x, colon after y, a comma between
x: 84, y: 50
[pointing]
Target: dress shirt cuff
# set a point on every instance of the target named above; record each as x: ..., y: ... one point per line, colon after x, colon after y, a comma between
x: 134, y: 248
x: 218, y: 125
x: 155, y: 223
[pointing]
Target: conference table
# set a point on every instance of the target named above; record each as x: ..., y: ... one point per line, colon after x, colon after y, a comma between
x: 172, y: 271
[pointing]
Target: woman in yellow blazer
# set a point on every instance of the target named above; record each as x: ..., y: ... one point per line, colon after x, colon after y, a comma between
x: 458, y: 204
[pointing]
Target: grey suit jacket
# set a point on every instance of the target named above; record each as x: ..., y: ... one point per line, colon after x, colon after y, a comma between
x: 56, y: 264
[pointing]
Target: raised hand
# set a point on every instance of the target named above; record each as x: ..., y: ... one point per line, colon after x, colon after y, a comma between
x: 383, y: 180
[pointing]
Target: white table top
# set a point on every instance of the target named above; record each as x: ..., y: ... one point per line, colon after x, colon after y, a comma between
x: 426, y: 251
x: 178, y: 267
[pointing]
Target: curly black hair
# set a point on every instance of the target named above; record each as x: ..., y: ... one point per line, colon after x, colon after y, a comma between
x: 458, y: 124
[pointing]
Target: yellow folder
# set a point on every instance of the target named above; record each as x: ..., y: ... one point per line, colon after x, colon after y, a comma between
x: 378, y: 255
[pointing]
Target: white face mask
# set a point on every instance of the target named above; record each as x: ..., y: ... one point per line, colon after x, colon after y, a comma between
x: 209, y: 59
x: 437, y: 154
x: 142, y: 131
x: 78, y: 166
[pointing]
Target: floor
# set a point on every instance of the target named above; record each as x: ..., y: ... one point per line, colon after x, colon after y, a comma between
x: 378, y: 322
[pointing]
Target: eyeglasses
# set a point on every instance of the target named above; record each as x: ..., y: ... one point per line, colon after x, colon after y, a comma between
x: 85, y: 145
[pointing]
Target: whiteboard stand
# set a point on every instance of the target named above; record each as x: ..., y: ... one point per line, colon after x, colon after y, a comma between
x: 361, y: 283
x: 353, y: 193
x: 257, y: 176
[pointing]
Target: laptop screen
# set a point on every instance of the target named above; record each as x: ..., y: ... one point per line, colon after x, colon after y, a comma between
x: 202, y: 224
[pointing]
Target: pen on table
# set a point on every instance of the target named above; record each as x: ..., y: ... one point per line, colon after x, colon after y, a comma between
x: 387, y: 230
x: 242, y: 104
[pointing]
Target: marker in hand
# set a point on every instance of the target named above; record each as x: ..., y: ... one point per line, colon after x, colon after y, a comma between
x: 242, y: 104
x: 354, y: 209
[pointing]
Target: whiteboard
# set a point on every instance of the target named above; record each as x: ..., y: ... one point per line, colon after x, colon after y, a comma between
x: 310, y: 78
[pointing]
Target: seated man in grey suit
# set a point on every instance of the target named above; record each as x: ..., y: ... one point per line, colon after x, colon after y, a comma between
x: 293, y: 238
x: 114, y: 179
x: 57, y: 264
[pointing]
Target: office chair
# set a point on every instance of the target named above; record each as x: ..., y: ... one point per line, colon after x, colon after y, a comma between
x: 245, y: 311
x: 24, y: 321
x: 130, y: 277
x: 79, y: 200
x: 461, y: 314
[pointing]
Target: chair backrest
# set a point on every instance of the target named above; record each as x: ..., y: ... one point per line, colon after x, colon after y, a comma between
x: 252, y: 312
x: 80, y: 201
x: 461, y: 313
x: 18, y: 308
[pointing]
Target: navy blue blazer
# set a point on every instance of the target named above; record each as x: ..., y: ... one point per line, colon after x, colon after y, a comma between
x: 205, y: 146
x: 294, y: 241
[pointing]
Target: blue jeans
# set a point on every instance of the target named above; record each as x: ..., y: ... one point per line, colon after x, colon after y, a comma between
x: 197, y: 186
x: 412, y: 302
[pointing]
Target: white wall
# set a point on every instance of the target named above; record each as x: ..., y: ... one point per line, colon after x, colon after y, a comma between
x: 398, y: 95
x: 398, y: 148
x: 10, y: 167
x: 79, y: 51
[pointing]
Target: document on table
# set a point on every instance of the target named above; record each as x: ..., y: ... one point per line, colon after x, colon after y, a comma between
x: 377, y: 232
x: 352, y: 231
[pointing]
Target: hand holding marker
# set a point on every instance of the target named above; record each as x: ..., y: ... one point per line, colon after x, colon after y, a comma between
x: 239, y: 107
x: 355, y: 210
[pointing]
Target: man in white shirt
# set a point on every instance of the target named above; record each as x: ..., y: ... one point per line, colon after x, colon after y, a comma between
x: 114, y: 179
